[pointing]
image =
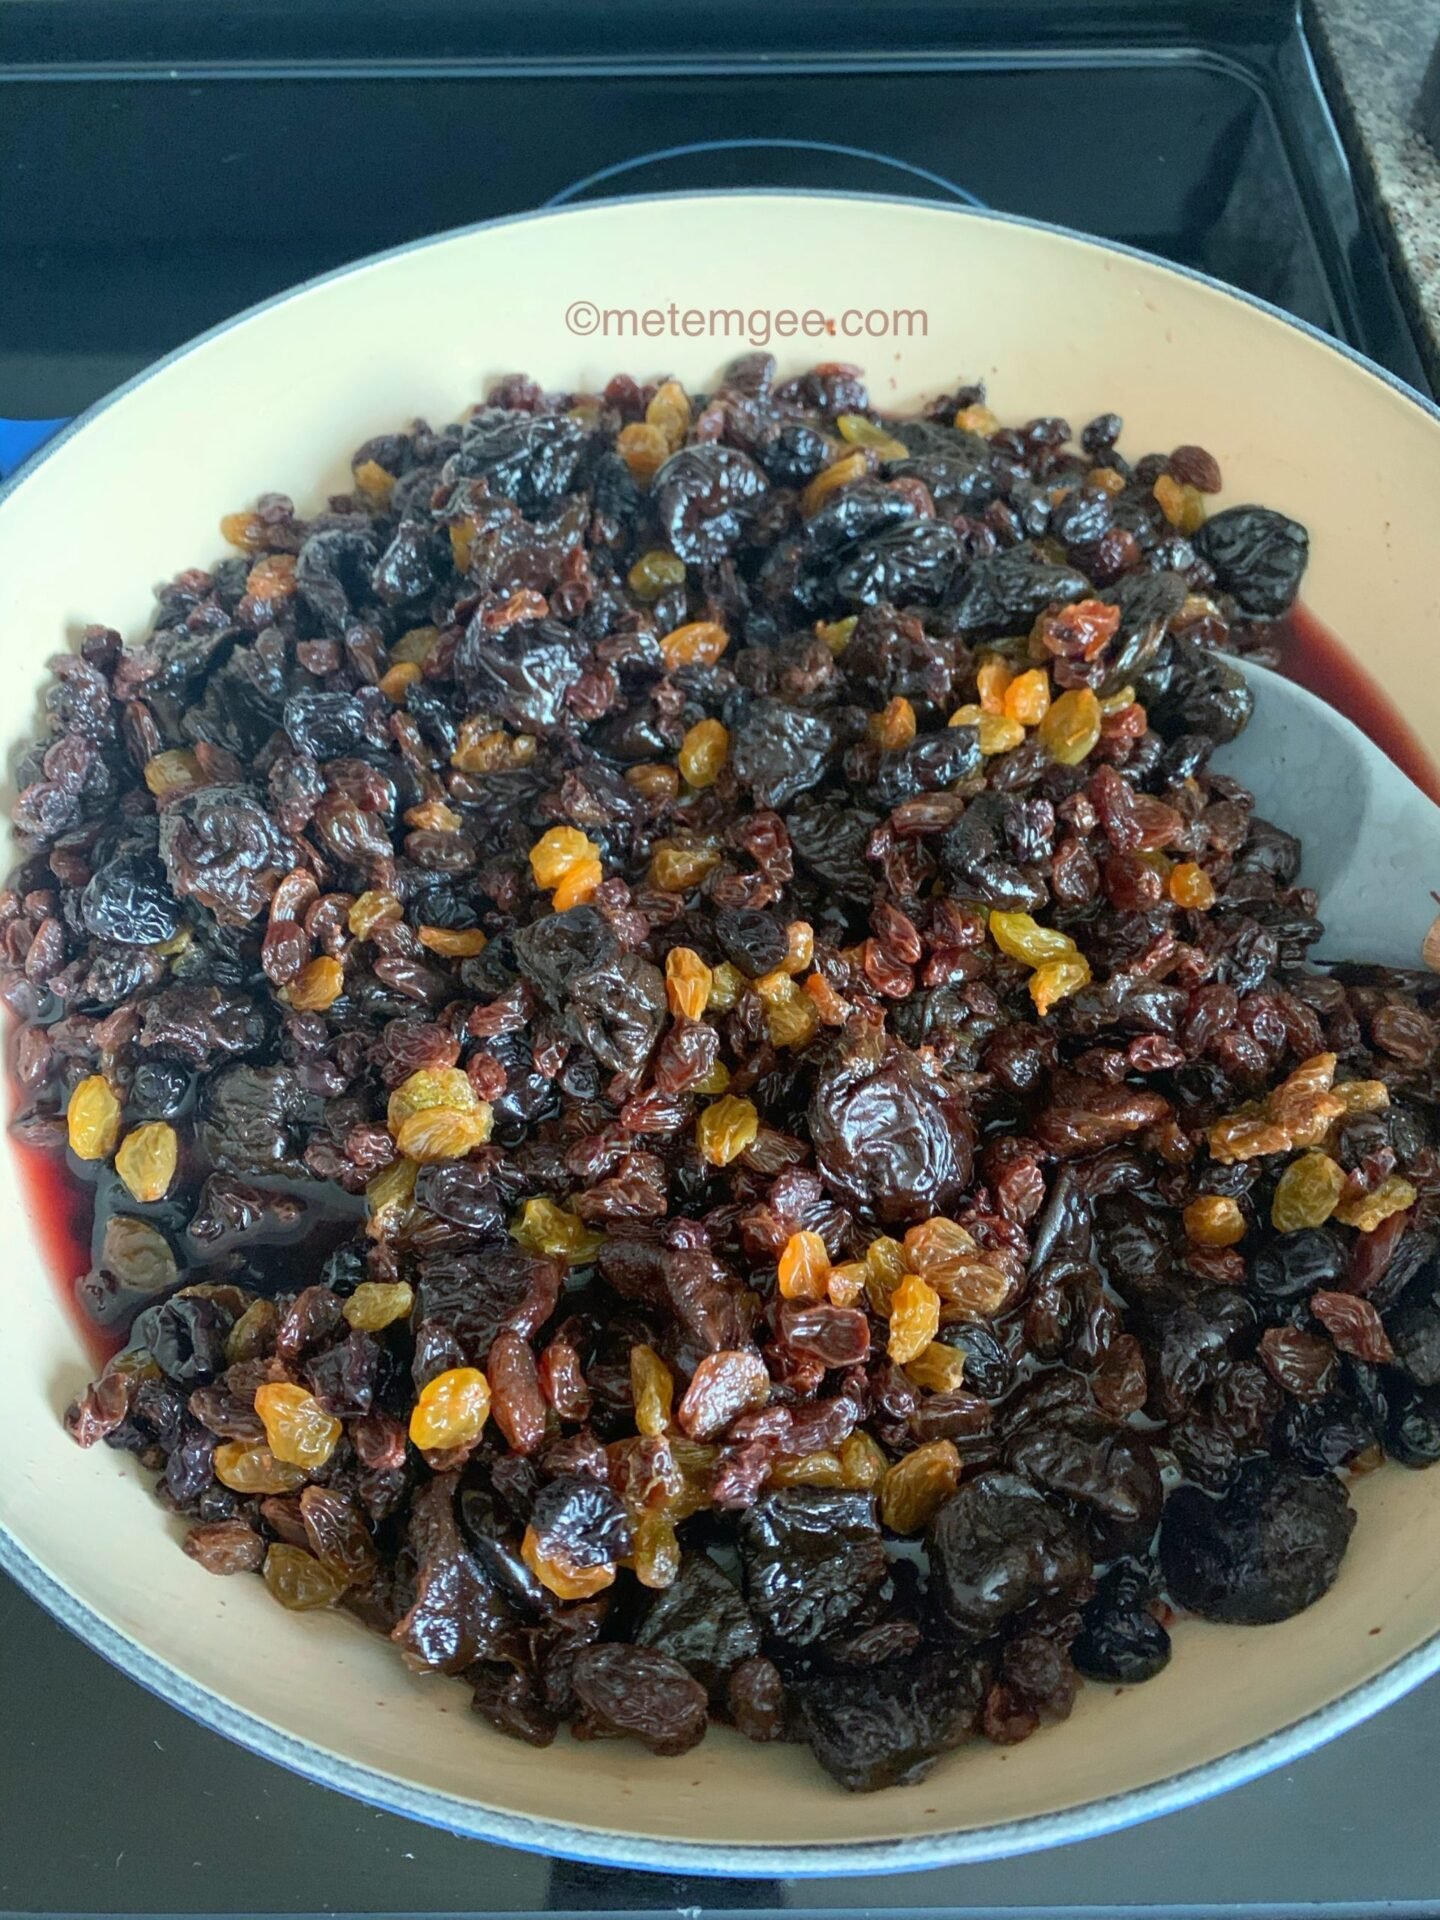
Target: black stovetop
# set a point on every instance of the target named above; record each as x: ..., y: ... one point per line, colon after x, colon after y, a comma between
x: 161, y: 166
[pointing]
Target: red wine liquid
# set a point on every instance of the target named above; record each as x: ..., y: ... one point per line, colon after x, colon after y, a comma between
x: 1313, y: 658
x: 62, y: 1207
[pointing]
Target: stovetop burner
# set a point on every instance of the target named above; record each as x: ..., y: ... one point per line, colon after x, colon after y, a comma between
x: 141, y: 203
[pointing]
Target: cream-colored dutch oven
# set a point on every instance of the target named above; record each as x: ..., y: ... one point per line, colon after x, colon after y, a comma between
x: 277, y: 399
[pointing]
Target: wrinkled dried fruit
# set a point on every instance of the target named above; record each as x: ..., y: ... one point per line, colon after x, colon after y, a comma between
x: 914, y: 1488
x: 147, y: 1159
x: 300, y: 1432
x: 92, y: 1119
x: 452, y: 1409
x: 914, y: 1318
x: 1307, y: 1193
x: 725, y: 1129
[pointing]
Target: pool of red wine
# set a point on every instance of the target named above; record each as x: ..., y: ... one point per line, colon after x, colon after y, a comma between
x: 61, y: 1206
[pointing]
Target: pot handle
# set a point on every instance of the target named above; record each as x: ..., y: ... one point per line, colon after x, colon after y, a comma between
x: 621, y: 167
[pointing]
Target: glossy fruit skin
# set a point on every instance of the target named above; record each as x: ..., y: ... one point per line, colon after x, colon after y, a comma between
x: 1268, y: 1548
x: 613, y: 1127
x: 810, y: 1558
x: 995, y: 1547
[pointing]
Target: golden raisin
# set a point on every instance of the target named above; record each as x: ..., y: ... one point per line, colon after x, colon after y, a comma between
x: 1245, y: 1136
x: 993, y: 679
x: 703, y: 752
x: 442, y: 1133
x: 1027, y: 698
x: 1191, y: 886
x: 657, y: 1551
x: 862, y: 1462
x: 389, y: 1197
x: 415, y: 645
x: 791, y: 1017
x: 375, y: 482
x: 373, y: 909
x: 248, y: 1466
x: 1307, y: 1193
x: 914, y: 1318
x: 669, y: 410
x: 837, y: 634
x: 300, y: 1432
x: 556, y: 852
x: 92, y: 1119
x: 715, y: 1081
x: 725, y: 1129
x: 253, y: 1334
x: 1393, y: 1195
x: 977, y: 419
x: 654, y: 572
x: 318, y: 985
x: 1117, y: 702
x: 1105, y: 480
x: 1214, y: 1220
x: 652, y: 1388
x: 644, y: 449
x: 484, y: 748
x: 550, y: 1230
x: 679, y: 864
x: 565, y: 1580
x: 578, y: 886
x: 822, y: 1468
x: 431, y: 1087
x: 885, y: 1268
x: 396, y: 681
x: 376, y: 1304
x: 272, y: 578
x: 938, y: 1369
x: 1362, y: 1096
x: 845, y: 1284
x: 857, y: 431
x: 699, y: 643
x: 893, y: 727
x: 998, y: 734
x: 727, y: 983
x: 452, y: 1409
x: 1182, y: 505
x: 841, y: 473
x: 244, y: 530
x: 174, y: 771
x: 1056, y: 980
x: 1071, y: 728
x: 453, y: 943
x: 658, y: 783
x: 799, y: 946
x: 687, y: 983
x: 804, y: 1267
x: 1025, y: 940
x: 299, y: 1581
x: 914, y: 1488
x: 147, y: 1159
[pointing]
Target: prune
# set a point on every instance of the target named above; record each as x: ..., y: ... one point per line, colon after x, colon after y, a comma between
x: 830, y: 839
x: 617, y: 1009
x: 222, y: 850
x: 333, y: 574
x: 810, y: 1559
x: 1414, y: 1329
x: 754, y: 942
x: 186, y: 1336
x: 705, y: 495
x: 1412, y: 1427
x: 529, y: 458
x: 702, y: 1621
x: 474, y: 1293
x: 1113, y: 1474
x: 326, y: 725
x: 996, y: 1547
x: 886, y: 1726
x: 885, y: 1137
x: 579, y: 1518
x: 1266, y: 1549
x: 129, y: 900
x: 780, y: 751
x: 1008, y: 590
x: 908, y: 564
x: 252, y: 1120
x: 1258, y: 557
x: 1120, y: 1640
x: 1193, y: 690
x: 640, y: 1692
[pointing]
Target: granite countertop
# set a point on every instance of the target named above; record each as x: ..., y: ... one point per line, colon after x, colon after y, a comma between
x: 1372, y: 56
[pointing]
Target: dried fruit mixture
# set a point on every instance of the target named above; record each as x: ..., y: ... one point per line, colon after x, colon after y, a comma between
x: 695, y: 1101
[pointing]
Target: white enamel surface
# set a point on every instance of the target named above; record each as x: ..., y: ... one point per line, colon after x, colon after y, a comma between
x: 1054, y: 325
